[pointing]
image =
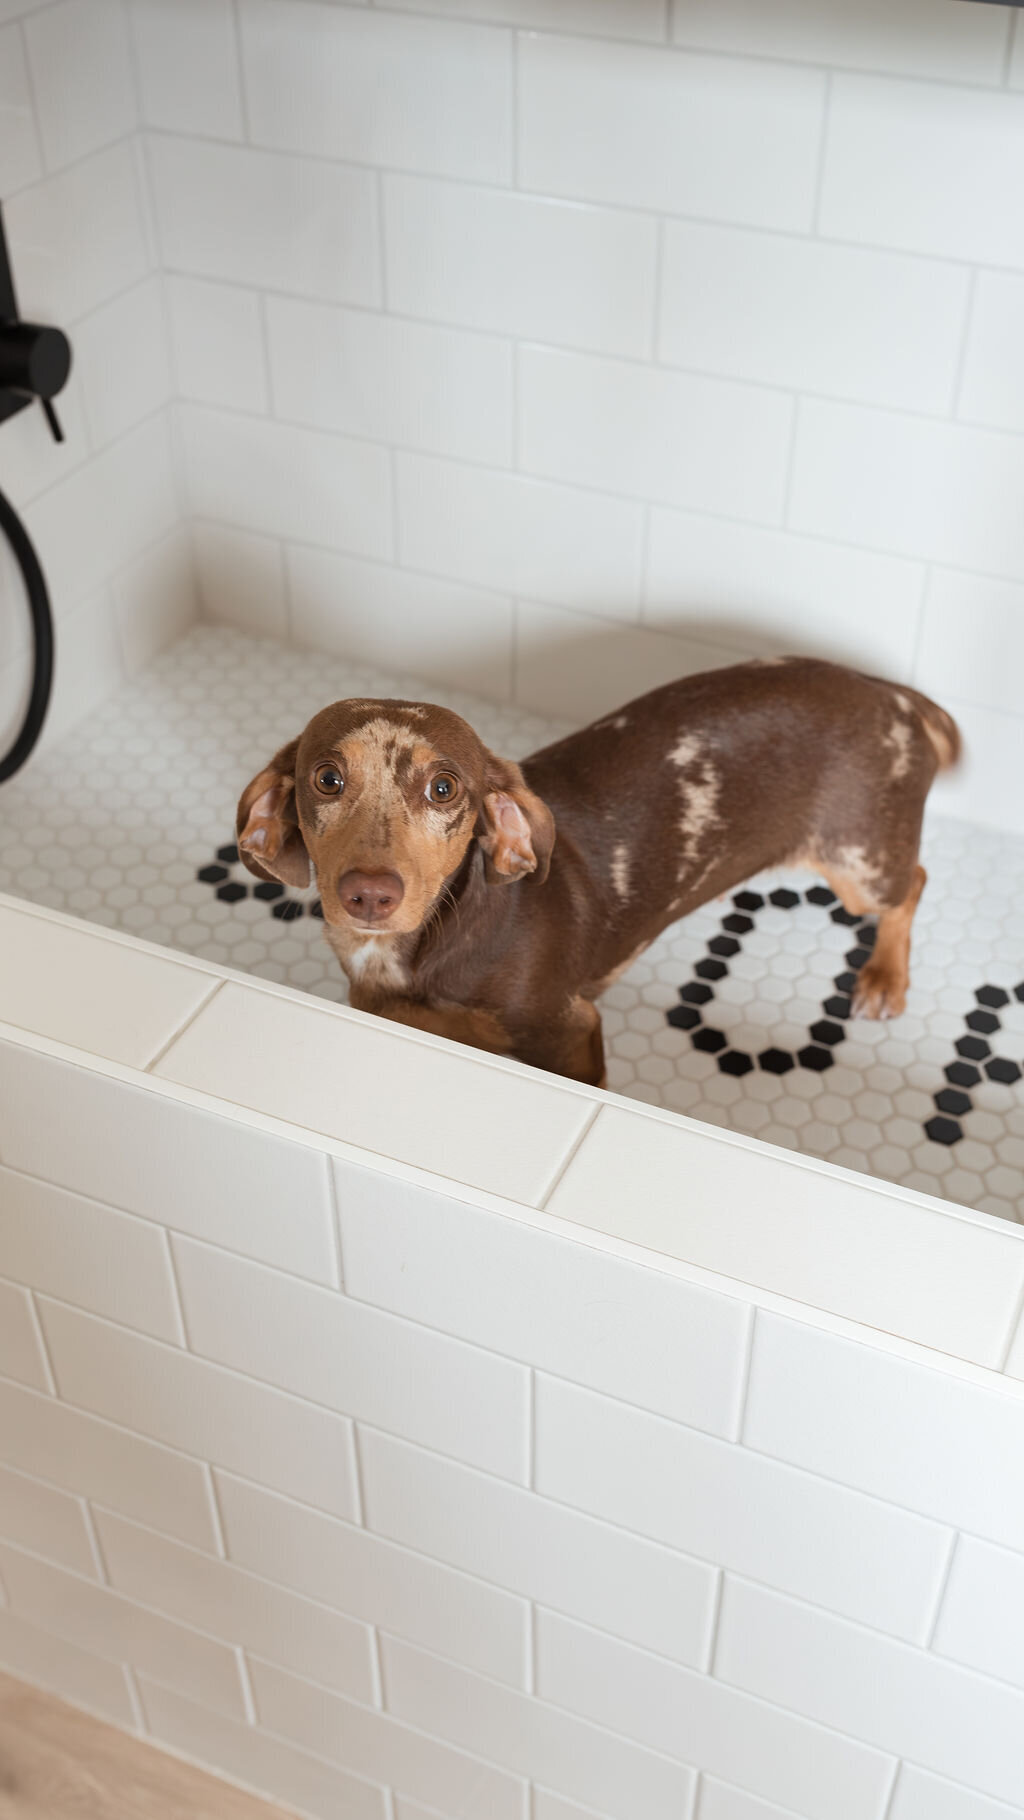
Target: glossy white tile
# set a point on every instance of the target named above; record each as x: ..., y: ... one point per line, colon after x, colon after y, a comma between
x: 85, y: 1253
x: 940, y: 1445
x: 694, y: 135
x: 20, y: 161
x: 46, y: 1521
x: 187, y: 60
x: 355, y: 84
x: 972, y: 642
x: 529, y: 266
x: 917, y: 37
x: 643, y: 19
x: 202, y: 1409
x: 833, y: 1242
x: 241, y: 579
x: 98, y: 995
x: 680, y: 439
x: 138, y: 1150
x: 922, y: 1796
x: 586, y: 1569
x: 372, y: 1579
x: 78, y: 239
x: 727, y: 1505
x: 21, y: 1355
x: 75, y: 1674
x: 582, y: 665
x: 82, y: 80
x: 379, y: 1746
x: 578, y: 1313
x: 237, y: 1607
x: 359, y: 1360
x: 217, y: 343
x: 154, y: 601
x: 242, y: 1054
x: 981, y: 1619
x: 992, y: 389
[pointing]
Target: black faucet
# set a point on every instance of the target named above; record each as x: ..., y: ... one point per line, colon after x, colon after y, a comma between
x: 34, y: 361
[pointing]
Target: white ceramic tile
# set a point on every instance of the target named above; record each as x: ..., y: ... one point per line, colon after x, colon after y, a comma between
x: 78, y: 238
x: 46, y: 1521
x: 212, y: 1413
x: 764, y: 591
x: 240, y: 1188
x: 527, y: 1736
x: 897, y: 1698
x: 552, y: 1807
x: 1015, y: 1361
x: 992, y: 390
x: 241, y: 580
x: 677, y: 438
x: 647, y: 1594
x: 99, y: 1619
x: 155, y: 601
x: 263, y: 218
x: 385, y: 616
x: 30, y: 459
x: 573, y: 663
x: 81, y: 77
x: 187, y: 59
x: 924, y: 167
x: 693, y: 135
x: 105, y: 513
x: 83, y: 1252
x: 788, y: 1226
x: 910, y: 486
x: 273, y: 477
x: 524, y: 536
x: 981, y: 1621
x: 356, y: 1359
x: 242, y: 1054
x: 720, y: 1801
x: 379, y: 1746
x: 984, y: 786
x: 78, y: 988
x: 921, y: 1796
x: 253, y: 1758
x: 76, y: 1674
x: 727, y: 1505
x: 20, y: 162
x: 89, y: 669
x: 237, y: 1607
x: 377, y: 90
x: 121, y: 353
x: 530, y: 266
x: 47, y: 1439
x: 919, y: 37
x: 428, y: 388
x: 217, y: 343
x: 972, y: 640
x: 820, y: 1773
x: 935, y: 1444
x: 875, y: 327
x: 605, y: 18
x: 650, y: 1339
x: 372, y: 1579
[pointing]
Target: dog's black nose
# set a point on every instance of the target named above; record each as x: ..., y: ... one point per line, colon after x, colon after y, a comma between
x: 370, y: 897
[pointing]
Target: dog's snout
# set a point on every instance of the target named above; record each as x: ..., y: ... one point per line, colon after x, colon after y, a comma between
x: 370, y: 897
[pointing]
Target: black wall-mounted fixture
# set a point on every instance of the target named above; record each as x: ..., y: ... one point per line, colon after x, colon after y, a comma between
x: 34, y: 365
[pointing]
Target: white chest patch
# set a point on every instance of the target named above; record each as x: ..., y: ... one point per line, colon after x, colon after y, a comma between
x: 372, y: 962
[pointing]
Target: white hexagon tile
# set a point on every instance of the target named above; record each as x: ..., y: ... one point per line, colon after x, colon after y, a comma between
x: 737, y: 1016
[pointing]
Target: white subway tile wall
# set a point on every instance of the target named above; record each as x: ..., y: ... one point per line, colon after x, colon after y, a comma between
x: 472, y: 1517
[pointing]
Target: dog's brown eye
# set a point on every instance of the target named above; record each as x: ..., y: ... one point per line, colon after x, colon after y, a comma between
x: 442, y: 789
x: 329, y: 781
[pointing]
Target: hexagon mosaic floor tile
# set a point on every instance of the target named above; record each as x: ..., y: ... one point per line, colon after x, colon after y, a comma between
x: 738, y: 1016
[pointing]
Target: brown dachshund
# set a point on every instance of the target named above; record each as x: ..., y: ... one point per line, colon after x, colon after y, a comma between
x: 493, y: 903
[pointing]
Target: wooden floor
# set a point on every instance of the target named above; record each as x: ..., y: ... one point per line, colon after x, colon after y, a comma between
x: 57, y: 1763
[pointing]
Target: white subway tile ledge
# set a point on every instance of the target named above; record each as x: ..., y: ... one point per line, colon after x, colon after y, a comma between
x: 723, y: 1210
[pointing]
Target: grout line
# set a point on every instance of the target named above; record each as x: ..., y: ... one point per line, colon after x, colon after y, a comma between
x: 714, y: 1630
x: 530, y: 1653
x: 37, y: 1327
x: 216, y: 1516
x: 30, y: 81
x: 377, y: 1669
x: 177, y: 1298
x: 890, y: 1803
x: 1011, y: 43
x: 382, y: 248
x: 135, y: 1699
x: 335, y: 1225
x: 960, y: 369
x: 165, y: 1048
x: 787, y: 488
x: 1016, y: 1326
x: 698, y: 1790
x: 744, y: 1387
x: 944, y: 1579
x: 515, y: 120
x: 658, y: 300
x: 819, y: 175
x: 570, y: 1156
x: 531, y: 1428
x: 388, y: 1794
x: 922, y: 612
x: 248, y: 1697
x: 359, y: 1515
x: 243, y: 92
x: 102, y: 1571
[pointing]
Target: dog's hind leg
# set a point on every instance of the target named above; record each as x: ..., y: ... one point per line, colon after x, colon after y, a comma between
x: 881, y: 989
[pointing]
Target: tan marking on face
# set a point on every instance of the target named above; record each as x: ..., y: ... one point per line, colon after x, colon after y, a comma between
x: 620, y: 870
x: 898, y: 739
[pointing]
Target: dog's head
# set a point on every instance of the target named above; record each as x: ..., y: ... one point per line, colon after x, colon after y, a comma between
x: 385, y: 798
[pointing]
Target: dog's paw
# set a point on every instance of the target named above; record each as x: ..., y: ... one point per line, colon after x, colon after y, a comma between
x: 878, y: 993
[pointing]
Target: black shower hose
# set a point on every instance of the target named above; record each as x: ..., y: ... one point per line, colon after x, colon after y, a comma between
x: 42, y: 633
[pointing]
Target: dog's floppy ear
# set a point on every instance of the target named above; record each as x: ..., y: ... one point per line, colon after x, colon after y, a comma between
x: 516, y: 830
x: 269, y: 837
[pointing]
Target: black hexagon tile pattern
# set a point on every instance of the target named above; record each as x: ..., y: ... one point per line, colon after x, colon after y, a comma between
x: 739, y: 1017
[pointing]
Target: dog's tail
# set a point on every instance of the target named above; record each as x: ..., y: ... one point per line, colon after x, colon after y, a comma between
x: 940, y: 728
